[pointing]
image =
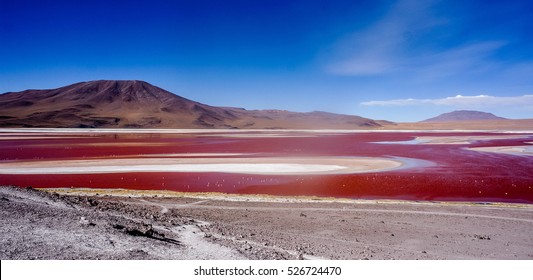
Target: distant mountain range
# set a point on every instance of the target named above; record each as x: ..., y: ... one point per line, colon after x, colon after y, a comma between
x: 463, y: 116
x: 138, y: 104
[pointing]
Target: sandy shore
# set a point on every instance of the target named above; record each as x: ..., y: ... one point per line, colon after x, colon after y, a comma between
x: 463, y: 140
x: 263, y: 165
x: 120, y: 224
x: 454, y: 140
x: 511, y: 150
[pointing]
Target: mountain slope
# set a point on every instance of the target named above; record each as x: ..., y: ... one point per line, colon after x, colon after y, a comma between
x: 106, y: 104
x: 110, y: 103
x: 464, y: 115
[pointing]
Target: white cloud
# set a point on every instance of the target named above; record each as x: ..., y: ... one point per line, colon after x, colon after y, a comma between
x: 476, y: 101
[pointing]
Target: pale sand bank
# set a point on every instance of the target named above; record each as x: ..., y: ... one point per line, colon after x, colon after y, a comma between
x: 512, y: 150
x: 463, y: 140
x: 271, y: 166
x: 195, y: 155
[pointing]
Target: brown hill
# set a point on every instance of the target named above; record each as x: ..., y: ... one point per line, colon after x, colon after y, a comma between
x: 464, y: 115
x: 121, y: 104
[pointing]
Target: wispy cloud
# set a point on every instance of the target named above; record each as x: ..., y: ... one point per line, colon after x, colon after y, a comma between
x: 477, y: 101
x: 397, y: 43
x: 380, y: 47
x: 469, y: 59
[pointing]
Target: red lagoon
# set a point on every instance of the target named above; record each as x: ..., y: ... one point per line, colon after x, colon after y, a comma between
x: 442, y: 170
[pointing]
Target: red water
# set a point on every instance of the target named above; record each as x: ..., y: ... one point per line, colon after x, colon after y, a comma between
x: 457, y: 174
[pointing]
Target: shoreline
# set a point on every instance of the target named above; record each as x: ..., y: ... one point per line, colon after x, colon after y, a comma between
x: 269, y: 198
x: 210, y: 131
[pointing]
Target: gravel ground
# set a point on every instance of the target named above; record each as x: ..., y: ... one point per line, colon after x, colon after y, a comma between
x: 43, y: 225
x: 39, y: 225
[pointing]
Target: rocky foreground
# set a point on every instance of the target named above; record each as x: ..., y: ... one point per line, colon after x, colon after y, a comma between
x: 40, y: 225
x: 137, y: 225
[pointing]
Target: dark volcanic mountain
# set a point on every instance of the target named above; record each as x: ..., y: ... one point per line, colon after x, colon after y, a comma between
x: 139, y: 104
x: 464, y: 115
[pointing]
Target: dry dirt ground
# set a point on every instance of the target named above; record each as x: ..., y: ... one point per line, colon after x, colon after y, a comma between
x: 43, y: 225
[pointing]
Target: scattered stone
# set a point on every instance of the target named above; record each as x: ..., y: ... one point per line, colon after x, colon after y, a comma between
x: 141, y: 230
x: 84, y: 221
x: 119, y: 227
x: 92, y: 202
x: 481, y: 237
x: 138, y: 253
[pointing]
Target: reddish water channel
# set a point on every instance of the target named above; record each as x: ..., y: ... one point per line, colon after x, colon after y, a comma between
x: 449, y: 172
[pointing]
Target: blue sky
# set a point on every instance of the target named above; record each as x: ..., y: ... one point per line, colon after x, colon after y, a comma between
x: 401, y: 60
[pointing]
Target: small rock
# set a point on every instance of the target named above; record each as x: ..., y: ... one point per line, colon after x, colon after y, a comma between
x: 83, y: 221
x: 119, y: 227
x: 92, y: 202
x: 481, y: 237
x: 138, y: 253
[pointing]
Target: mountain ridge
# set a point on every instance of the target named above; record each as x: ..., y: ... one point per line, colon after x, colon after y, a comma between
x: 135, y: 103
x: 464, y: 115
